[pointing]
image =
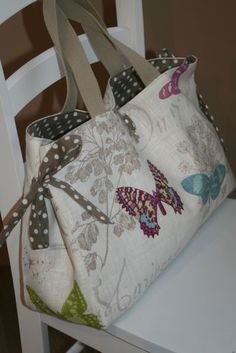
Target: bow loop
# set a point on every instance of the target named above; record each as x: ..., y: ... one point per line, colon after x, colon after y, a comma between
x: 61, y: 153
x: 38, y: 224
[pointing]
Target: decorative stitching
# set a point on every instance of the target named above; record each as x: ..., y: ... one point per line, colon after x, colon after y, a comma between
x: 144, y: 206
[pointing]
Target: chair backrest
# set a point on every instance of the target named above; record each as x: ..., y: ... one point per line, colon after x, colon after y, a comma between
x: 25, y: 84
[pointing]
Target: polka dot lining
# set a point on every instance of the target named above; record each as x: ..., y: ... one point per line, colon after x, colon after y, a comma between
x: 55, y: 126
x: 63, y: 151
x: 127, y: 84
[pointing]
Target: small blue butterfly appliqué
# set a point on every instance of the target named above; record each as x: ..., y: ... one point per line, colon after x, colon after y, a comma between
x: 205, y: 186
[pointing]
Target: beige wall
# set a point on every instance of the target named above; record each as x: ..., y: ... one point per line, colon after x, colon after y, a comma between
x: 204, y: 28
x: 24, y: 36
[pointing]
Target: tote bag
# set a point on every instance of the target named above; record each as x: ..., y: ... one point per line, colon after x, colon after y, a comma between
x: 112, y: 196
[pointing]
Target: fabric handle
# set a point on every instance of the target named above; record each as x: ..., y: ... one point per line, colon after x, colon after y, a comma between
x: 105, y: 46
x: 61, y: 153
x: 74, y: 9
x: 108, y: 55
x: 113, y: 61
x: 68, y: 46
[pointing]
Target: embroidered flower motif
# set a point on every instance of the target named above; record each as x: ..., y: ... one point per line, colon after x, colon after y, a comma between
x: 88, y: 237
x: 130, y: 163
x: 201, y: 147
x: 125, y: 222
x: 91, y: 262
x: 107, y: 155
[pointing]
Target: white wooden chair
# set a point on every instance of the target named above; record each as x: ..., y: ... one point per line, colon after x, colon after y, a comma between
x: 192, y: 307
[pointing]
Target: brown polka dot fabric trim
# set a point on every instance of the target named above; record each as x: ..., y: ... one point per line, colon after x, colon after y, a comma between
x: 81, y: 200
x: 62, y: 152
x: 124, y: 86
x: 127, y: 84
x: 205, y: 111
x: 129, y: 124
x: 55, y: 126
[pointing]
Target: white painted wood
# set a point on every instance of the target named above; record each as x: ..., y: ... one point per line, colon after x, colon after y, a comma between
x: 15, y: 93
x: 27, y: 82
x: 130, y: 16
x: 33, y: 332
x: 76, y: 348
x: 11, y: 152
x: 191, y: 308
x: 12, y: 171
x: 11, y: 7
x: 101, y: 340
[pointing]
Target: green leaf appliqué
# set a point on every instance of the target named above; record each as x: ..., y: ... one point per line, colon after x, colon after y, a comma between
x: 39, y: 303
x: 73, y: 309
x: 75, y: 305
x: 92, y: 320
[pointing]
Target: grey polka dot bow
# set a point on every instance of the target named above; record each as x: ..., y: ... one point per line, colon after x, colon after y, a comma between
x: 129, y: 123
x: 62, y: 152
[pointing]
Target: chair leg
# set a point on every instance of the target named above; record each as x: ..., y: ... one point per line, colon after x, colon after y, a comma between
x: 76, y: 348
x: 33, y: 332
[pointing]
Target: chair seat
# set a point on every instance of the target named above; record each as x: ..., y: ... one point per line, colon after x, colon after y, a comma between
x: 191, y: 308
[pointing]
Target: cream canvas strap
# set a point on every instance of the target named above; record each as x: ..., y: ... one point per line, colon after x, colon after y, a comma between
x: 107, y: 48
x: 68, y: 46
x: 73, y: 10
x: 102, y: 46
x: 94, y: 27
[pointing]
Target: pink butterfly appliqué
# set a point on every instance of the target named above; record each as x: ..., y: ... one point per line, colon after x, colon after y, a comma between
x: 144, y: 206
x: 172, y: 87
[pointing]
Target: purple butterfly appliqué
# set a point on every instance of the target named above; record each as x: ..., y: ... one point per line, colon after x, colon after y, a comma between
x: 144, y: 206
x: 172, y: 87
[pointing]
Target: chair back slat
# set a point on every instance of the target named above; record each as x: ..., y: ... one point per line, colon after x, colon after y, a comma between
x: 32, y: 79
x: 11, y: 7
x: 130, y: 15
x: 44, y: 70
x: 11, y: 162
x: 15, y: 93
x: 25, y: 84
x: 19, y: 89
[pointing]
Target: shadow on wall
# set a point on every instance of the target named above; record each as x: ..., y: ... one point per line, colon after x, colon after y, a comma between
x: 206, y: 29
x: 28, y: 37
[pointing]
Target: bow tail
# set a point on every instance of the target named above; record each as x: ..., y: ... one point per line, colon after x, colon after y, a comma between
x: 13, y: 218
x: 39, y: 225
x: 81, y: 200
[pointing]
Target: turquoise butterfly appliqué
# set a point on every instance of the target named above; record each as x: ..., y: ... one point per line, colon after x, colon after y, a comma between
x: 205, y: 186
